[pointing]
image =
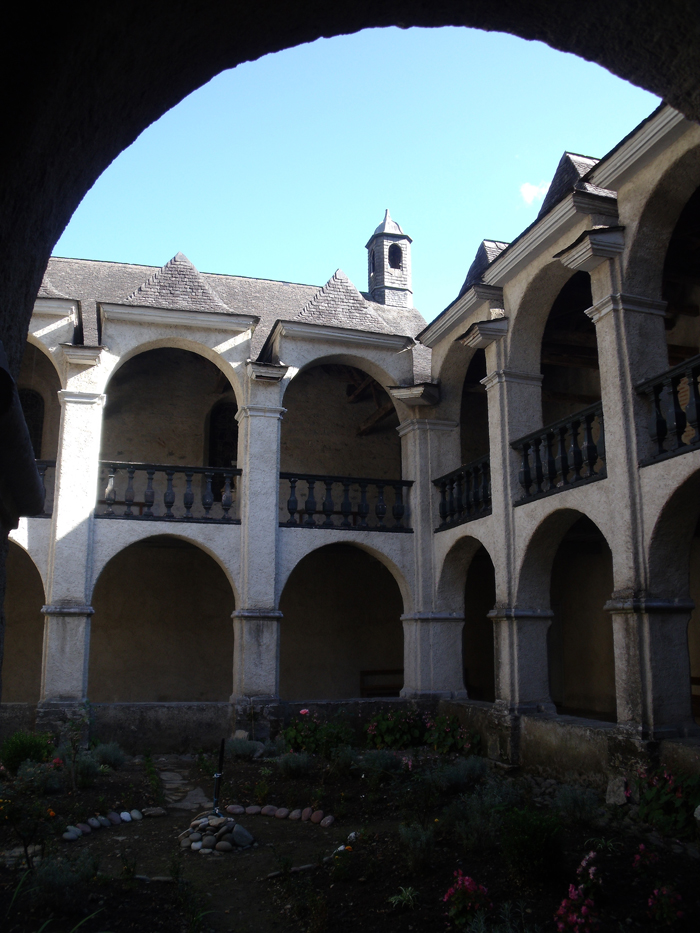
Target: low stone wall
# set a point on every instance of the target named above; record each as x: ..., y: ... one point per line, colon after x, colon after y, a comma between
x: 15, y: 717
x: 162, y: 727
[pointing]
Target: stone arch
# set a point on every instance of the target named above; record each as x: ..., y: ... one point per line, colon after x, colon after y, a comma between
x: 334, y: 403
x: 371, y: 367
x: 671, y: 541
x: 528, y: 320
x: 468, y: 586
x: 24, y: 628
x: 337, y: 639
x: 162, y: 629
x: 182, y: 343
x: 38, y: 372
x: 450, y: 375
x: 650, y: 237
x: 40, y: 346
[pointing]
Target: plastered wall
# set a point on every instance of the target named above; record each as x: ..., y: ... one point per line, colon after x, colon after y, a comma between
x: 24, y: 629
x: 162, y: 628
x: 341, y: 615
x: 581, y: 659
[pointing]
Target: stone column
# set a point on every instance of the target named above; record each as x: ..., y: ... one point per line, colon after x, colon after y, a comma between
x: 433, y: 655
x: 652, y: 665
x: 256, y: 620
x: 432, y: 634
x: 67, y: 625
x: 522, y: 668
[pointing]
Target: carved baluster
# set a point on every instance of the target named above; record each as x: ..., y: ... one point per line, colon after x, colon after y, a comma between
x: 169, y: 494
x: 486, y: 487
x: 226, y: 498
x: 363, y: 507
x: 380, y: 507
x: 149, y: 495
x: 346, y: 505
x: 657, y: 422
x: 188, y: 498
x: 459, y: 499
x: 476, y: 490
x: 292, y: 503
x: 129, y: 493
x: 575, y: 455
x: 563, y: 459
x: 467, y: 493
x: 443, y: 504
x: 525, y: 476
x: 310, y: 504
x: 590, y: 451
x: 601, y: 442
x: 549, y: 439
x: 42, y: 468
x: 675, y: 416
x: 539, y: 473
x: 208, y: 495
x: 110, y: 492
x: 328, y: 504
x: 397, y: 510
x: 692, y: 410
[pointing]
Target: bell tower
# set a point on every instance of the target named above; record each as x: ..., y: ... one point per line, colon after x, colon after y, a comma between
x: 389, y: 265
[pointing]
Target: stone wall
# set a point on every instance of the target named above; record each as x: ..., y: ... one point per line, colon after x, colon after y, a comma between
x: 162, y: 628
x: 341, y: 615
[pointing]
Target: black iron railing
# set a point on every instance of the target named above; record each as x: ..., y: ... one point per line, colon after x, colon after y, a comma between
x: 47, y: 472
x: 675, y: 405
x: 465, y: 494
x: 343, y: 502
x: 568, y: 453
x: 162, y: 492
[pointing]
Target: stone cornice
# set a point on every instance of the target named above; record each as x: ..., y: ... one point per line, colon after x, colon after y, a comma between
x: 433, y: 617
x: 202, y: 320
x: 593, y: 247
x: 650, y: 605
x: 482, y: 334
x: 80, y: 398
x: 625, y: 303
x: 79, y: 355
x: 665, y: 126
x: 67, y: 610
x: 424, y: 393
x: 56, y: 307
x: 457, y: 313
x: 265, y: 372
x: 259, y: 411
x: 342, y: 335
x: 511, y: 375
x: 425, y: 424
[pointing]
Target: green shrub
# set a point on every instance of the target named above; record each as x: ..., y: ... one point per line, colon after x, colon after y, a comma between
x: 418, y: 842
x: 397, y: 729
x: 109, y: 753
x: 25, y: 746
x: 241, y: 749
x: 38, y: 778
x: 531, y: 842
x: 294, y: 764
x: 447, y: 736
x: 463, y: 774
x: 476, y: 819
x: 668, y: 802
x: 274, y: 748
x: 577, y: 805
x: 343, y: 760
x: 307, y: 733
x: 86, y: 770
x: 58, y: 882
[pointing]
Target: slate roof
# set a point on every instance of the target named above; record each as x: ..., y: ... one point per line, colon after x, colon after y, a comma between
x: 488, y: 250
x: 339, y: 304
x: 177, y: 286
x: 571, y: 169
x: 47, y: 290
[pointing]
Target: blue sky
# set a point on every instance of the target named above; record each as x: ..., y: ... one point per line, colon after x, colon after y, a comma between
x: 283, y: 167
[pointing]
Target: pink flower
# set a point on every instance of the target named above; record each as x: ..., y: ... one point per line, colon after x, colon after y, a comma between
x: 303, y: 712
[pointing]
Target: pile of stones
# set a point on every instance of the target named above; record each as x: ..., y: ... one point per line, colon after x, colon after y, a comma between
x: 95, y: 823
x: 282, y: 813
x: 215, y: 834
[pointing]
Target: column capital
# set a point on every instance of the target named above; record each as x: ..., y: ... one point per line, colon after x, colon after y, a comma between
x: 433, y: 617
x: 258, y: 615
x: 504, y: 613
x: 649, y: 605
x: 425, y: 424
x: 500, y: 376
x: 81, y: 398
x: 69, y: 610
x: 259, y: 411
x: 622, y: 302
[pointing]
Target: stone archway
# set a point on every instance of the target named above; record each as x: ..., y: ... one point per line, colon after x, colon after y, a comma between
x: 24, y: 629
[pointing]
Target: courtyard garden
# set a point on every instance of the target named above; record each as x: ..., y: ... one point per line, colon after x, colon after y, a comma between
x: 403, y: 828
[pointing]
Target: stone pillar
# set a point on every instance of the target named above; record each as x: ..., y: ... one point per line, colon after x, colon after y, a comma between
x: 67, y: 625
x: 256, y: 620
x: 522, y: 667
x: 652, y: 665
x: 433, y: 655
x: 66, y: 654
x: 256, y: 653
